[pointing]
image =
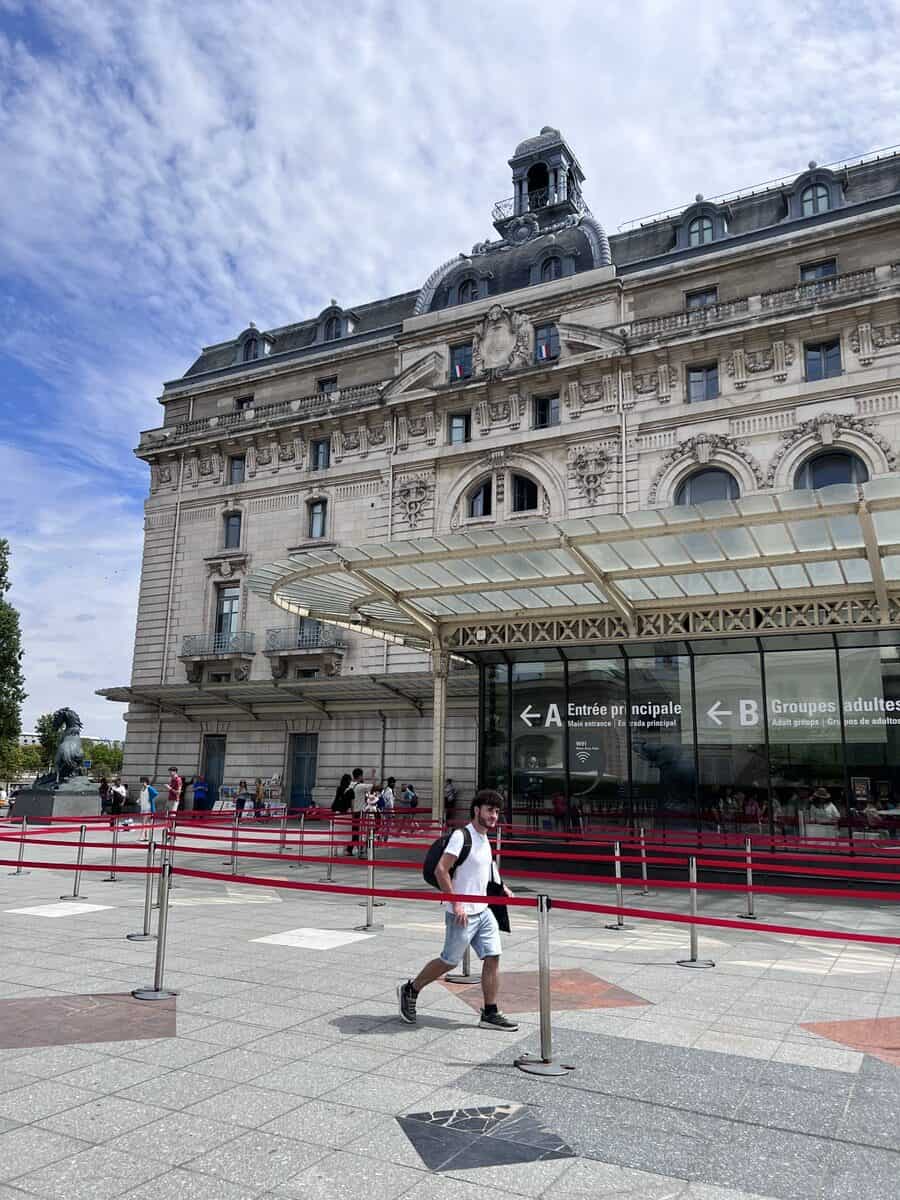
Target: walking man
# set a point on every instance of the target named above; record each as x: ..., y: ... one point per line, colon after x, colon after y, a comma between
x: 467, y: 923
x: 360, y: 791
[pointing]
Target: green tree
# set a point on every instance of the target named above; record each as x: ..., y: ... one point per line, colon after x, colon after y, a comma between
x: 12, y: 683
x: 48, y: 737
x: 31, y: 760
x: 105, y: 759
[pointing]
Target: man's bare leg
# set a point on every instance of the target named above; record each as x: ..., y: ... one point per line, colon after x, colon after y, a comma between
x: 430, y: 972
x: 490, y: 978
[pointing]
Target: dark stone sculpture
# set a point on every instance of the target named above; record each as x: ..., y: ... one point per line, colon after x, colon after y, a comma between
x: 68, y: 772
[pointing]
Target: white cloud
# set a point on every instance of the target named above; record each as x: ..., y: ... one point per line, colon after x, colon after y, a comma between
x: 180, y: 170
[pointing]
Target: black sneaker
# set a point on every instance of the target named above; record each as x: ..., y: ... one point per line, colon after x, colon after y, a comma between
x: 407, y: 995
x: 496, y: 1020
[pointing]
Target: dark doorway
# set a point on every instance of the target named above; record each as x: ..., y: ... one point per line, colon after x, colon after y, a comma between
x: 303, y: 756
x: 213, y: 765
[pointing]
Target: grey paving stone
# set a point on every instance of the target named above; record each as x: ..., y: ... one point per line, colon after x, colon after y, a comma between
x: 791, y: 1109
x: 112, y: 1075
x: 178, y: 1138
x: 51, y: 1061
x: 348, y: 1177
x: 322, y: 1123
x: 588, y: 1179
x: 187, y: 1185
x: 25, y: 1149
x: 290, y: 1044
x: 387, y: 1096
x: 172, y: 1052
x: 444, y: 1187
x: 305, y: 1078
x: 220, y: 1033
x: 236, y: 1065
x: 175, y: 1089
x: 246, y: 1105
x: 95, y: 1174
x: 42, y: 1099
x: 791, y: 1164
x: 101, y: 1119
x: 858, y: 1173
x: 262, y: 1158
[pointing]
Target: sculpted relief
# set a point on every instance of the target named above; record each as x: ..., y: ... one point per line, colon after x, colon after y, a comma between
x: 502, y: 342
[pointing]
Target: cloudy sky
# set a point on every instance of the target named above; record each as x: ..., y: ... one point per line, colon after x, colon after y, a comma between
x: 174, y: 171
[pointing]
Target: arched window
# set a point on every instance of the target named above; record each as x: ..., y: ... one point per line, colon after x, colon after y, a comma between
x: 831, y: 467
x: 332, y: 329
x: 525, y: 494
x: 251, y: 349
x: 468, y: 291
x: 712, y: 483
x: 814, y: 199
x: 481, y: 500
x: 551, y: 268
x: 700, y: 231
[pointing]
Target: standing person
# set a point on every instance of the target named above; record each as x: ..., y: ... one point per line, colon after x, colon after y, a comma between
x: 259, y: 800
x: 103, y: 793
x: 360, y: 791
x: 201, y: 794
x: 242, y: 798
x: 147, y: 805
x: 387, y: 803
x: 451, y: 795
x: 467, y: 923
x: 173, y: 791
x: 343, y: 795
x: 117, y: 797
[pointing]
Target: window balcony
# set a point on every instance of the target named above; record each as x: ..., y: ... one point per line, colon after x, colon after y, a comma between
x: 817, y: 290
x: 214, y: 645
x: 292, y: 649
x: 686, y: 320
x: 537, y: 199
x: 306, y: 637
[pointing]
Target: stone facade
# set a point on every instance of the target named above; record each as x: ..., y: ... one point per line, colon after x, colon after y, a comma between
x: 374, y: 391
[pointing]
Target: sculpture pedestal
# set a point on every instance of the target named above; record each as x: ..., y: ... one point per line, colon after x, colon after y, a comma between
x: 81, y: 800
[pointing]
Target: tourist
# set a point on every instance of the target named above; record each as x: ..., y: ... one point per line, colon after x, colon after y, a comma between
x: 200, y: 790
x: 467, y: 923
x: 259, y: 801
x: 103, y: 793
x: 117, y: 797
x: 242, y: 798
x: 173, y: 791
x: 360, y: 791
x: 343, y: 795
x: 450, y: 798
x: 410, y: 799
x: 823, y: 809
x: 147, y: 806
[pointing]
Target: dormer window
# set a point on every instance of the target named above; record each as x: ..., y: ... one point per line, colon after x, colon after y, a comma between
x: 251, y: 349
x: 468, y: 291
x: 551, y: 269
x: 332, y: 330
x: 814, y: 199
x: 700, y: 231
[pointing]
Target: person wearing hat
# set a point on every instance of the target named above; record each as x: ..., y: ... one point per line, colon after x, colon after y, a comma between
x: 822, y: 808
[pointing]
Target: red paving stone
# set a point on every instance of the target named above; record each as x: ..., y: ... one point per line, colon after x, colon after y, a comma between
x: 569, y: 990
x: 66, y: 1020
x: 878, y: 1036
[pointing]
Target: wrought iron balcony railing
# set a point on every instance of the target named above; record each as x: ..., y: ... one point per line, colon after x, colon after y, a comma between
x: 197, y: 645
x: 322, y: 637
x: 539, y: 198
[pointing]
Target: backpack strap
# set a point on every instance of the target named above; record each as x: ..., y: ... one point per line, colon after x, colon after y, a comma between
x: 466, y: 848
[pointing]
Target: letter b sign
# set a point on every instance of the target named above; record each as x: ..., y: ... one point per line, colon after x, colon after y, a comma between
x: 749, y: 712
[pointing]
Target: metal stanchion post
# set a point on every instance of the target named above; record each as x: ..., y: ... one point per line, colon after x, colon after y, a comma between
x: 145, y: 935
x: 370, y: 926
x: 619, y: 922
x: 694, y: 961
x: 299, y: 863
x: 466, y: 976
x: 645, y: 891
x: 330, y: 852
x: 544, y: 1065
x: 76, y: 886
x: 23, y: 834
x: 749, y: 915
x: 232, y: 862
x: 158, y: 992
x: 498, y: 856
x: 163, y: 855
x: 284, y: 821
x: 112, y: 877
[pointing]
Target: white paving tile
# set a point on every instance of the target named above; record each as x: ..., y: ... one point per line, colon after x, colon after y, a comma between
x: 63, y: 908
x: 314, y: 939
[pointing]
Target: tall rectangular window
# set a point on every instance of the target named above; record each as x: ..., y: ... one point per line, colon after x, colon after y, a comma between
x: 461, y: 362
x: 546, y: 411
x: 702, y: 382
x: 324, y: 386
x: 702, y: 298
x: 460, y: 428
x: 228, y: 615
x: 546, y: 343
x: 236, y: 468
x: 317, y: 512
x: 823, y: 359
x: 242, y: 402
x: 232, y: 531
x: 320, y: 454
x: 824, y: 269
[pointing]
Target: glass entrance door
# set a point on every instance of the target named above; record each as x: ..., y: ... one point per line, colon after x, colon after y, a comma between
x: 304, y: 752
x: 213, y: 764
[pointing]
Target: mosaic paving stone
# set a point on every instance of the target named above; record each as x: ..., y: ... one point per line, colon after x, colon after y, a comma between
x: 64, y: 1020
x: 458, y: 1138
x: 569, y: 990
x: 878, y: 1036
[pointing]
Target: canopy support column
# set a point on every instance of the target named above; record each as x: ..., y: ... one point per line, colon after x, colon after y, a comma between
x: 440, y: 659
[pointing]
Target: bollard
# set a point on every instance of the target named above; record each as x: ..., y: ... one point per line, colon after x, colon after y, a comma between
x: 645, y: 891
x: 145, y: 935
x: 23, y: 834
x: 284, y: 821
x: 370, y: 926
x: 466, y: 976
x: 163, y: 855
x: 619, y: 922
x: 232, y: 862
x: 76, y: 886
x: 330, y: 852
x: 158, y: 992
x: 544, y: 1065
x: 299, y: 864
x: 749, y: 915
x: 694, y: 961
x: 112, y: 877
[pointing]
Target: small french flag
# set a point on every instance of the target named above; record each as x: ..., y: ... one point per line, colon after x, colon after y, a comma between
x: 459, y: 371
x: 544, y: 350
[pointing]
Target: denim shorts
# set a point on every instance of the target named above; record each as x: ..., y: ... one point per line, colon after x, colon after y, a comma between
x: 480, y: 932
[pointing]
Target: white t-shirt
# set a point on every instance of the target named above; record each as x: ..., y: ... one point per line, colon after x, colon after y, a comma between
x: 471, y: 879
x: 388, y: 797
x: 360, y: 791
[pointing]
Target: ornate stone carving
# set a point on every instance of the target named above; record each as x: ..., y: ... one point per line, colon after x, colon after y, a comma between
x: 378, y: 434
x: 194, y: 672
x: 411, y: 494
x: 702, y: 449
x: 351, y: 440
x: 285, y: 452
x: 278, y: 664
x: 776, y: 358
x: 588, y: 466
x: 226, y: 565
x: 654, y: 381
x: 866, y: 339
x: 502, y: 341
x: 499, y: 411
x: 264, y: 456
x: 416, y: 426
x: 241, y: 672
x: 825, y: 429
x: 523, y: 229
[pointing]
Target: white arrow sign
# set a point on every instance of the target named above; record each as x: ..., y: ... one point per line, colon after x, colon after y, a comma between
x: 529, y: 715
x: 718, y: 711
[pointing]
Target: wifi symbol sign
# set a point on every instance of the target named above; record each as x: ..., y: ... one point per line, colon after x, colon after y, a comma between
x: 582, y: 755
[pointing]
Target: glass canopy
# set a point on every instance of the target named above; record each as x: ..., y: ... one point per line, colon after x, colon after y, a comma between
x: 840, y: 540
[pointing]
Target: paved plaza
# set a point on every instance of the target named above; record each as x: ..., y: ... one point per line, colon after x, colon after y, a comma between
x: 281, y: 1070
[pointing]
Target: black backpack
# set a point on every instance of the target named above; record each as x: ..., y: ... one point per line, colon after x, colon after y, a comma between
x: 436, y: 849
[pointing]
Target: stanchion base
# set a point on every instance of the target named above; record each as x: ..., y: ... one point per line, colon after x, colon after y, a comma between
x: 149, y: 993
x: 110, y: 879
x: 297, y: 866
x: 695, y: 962
x: 73, y: 897
x: 533, y: 1065
x: 368, y: 928
x: 375, y: 904
x: 747, y: 916
x: 18, y: 872
x: 462, y: 979
x: 141, y: 937
x: 638, y: 895
x: 620, y: 927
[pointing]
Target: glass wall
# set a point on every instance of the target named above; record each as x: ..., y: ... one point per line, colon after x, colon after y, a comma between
x: 784, y: 734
